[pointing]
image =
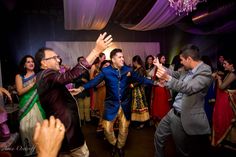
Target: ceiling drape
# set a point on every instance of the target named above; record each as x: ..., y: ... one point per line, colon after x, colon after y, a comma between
x: 161, y: 15
x: 227, y: 27
x: 87, y: 14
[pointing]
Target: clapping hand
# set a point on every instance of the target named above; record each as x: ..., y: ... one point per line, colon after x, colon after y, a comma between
x: 156, y: 62
x: 161, y: 71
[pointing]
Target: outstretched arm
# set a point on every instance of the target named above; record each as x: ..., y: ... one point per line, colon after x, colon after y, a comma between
x: 102, y: 43
x: 92, y: 83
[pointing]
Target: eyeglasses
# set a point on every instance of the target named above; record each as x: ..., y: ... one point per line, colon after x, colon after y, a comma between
x: 54, y: 57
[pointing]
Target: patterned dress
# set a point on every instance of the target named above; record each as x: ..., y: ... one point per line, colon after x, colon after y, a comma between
x: 30, y: 113
x: 139, y: 108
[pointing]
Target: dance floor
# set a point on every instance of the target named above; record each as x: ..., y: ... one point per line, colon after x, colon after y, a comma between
x: 139, y: 144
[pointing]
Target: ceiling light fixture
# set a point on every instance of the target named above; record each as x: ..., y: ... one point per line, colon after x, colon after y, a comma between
x: 184, y: 6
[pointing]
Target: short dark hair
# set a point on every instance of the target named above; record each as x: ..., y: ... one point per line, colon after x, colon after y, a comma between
x: 114, y: 52
x: 40, y: 55
x: 192, y: 51
x: 79, y: 58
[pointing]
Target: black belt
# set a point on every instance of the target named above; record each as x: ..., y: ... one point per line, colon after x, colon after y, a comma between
x: 177, y: 113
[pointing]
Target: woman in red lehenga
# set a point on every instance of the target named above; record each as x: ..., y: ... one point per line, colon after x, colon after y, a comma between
x: 224, y: 114
x: 161, y: 97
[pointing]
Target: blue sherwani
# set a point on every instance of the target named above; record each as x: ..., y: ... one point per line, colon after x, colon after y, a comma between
x: 118, y: 92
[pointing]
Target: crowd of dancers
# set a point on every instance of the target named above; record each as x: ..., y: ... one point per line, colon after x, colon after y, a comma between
x: 188, y: 99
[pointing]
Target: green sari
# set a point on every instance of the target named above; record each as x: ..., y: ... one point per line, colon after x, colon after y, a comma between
x: 27, y: 102
x: 30, y: 113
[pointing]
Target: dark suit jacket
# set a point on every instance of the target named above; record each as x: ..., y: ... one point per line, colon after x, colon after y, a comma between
x: 56, y: 100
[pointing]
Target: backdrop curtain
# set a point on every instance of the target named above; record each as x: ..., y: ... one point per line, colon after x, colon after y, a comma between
x: 70, y: 51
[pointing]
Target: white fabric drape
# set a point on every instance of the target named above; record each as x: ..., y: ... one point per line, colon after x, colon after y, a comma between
x: 70, y: 51
x: 87, y: 14
x: 161, y: 15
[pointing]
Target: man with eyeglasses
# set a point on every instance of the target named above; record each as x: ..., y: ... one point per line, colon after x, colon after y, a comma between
x: 57, y: 100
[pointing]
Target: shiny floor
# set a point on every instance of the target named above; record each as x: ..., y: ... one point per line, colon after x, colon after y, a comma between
x: 139, y: 144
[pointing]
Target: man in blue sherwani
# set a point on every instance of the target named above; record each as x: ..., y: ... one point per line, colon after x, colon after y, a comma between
x: 117, y: 78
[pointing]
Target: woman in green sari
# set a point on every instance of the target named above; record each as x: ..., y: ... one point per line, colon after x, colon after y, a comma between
x: 30, y: 111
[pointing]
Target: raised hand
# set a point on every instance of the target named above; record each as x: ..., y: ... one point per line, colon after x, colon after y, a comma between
x: 161, y: 71
x: 103, y: 42
x: 156, y: 62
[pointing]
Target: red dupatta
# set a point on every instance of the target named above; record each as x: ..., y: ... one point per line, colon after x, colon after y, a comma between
x: 223, y: 115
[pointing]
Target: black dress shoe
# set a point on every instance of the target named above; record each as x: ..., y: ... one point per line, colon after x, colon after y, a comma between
x: 121, y: 152
x: 113, y: 151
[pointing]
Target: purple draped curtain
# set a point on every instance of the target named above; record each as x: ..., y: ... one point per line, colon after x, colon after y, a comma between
x: 87, y: 14
x: 161, y: 15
